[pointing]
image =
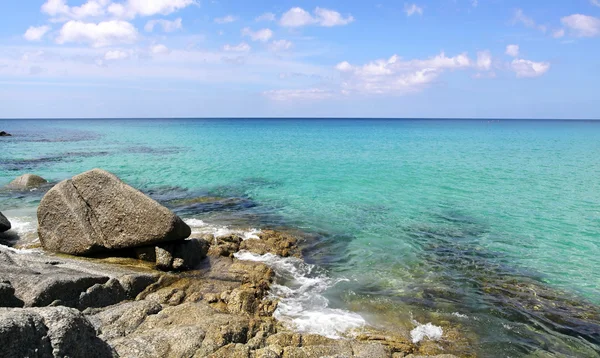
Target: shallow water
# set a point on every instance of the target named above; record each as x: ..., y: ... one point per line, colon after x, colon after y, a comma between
x: 493, y: 227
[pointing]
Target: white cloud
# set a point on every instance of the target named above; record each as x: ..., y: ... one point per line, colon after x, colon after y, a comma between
x: 97, y: 8
x: 411, y: 9
x: 595, y: 2
x: 298, y: 17
x: 226, y: 19
x: 267, y: 16
x: 262, y: 35
x: 98, y: 35
x: 159, y: 49
x: 298, y: 94
x: 242, y: 47
x: 36, y: 33
x: 558, y: 34
x: 167, y: 26
x: 512, y: 50
x: 582, y: 25
x: 521, y: 18
x: 114, y: 55
x: 526, y: 68
x: 280, y: 45
x: 484, y: 60
x: 397, y: 76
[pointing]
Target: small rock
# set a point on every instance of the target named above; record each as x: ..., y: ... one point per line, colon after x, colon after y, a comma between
x: 5, y: 134
x: 178, y: 256
x: 4, y: 223
x: 27, y: 181
x: 102, y: 295
x: 7, y: 295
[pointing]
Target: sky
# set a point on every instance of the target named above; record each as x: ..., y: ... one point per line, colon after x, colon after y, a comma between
x: 303, y: 58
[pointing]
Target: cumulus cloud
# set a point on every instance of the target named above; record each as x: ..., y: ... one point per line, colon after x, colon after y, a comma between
x: 484, y: 60
x: 526, y: 68
x: 114, y: 55
x: 36, y: 33
x: 298, y: 17
x: 397, y: 76
x: 280, y: 45
x: 159, y: 49
x: 167, y: 26
x: 267, y: 16
x: 98, y: 35
x: 242, y: 47
x: 582, y: 25
x: 60, y: 10
x: 226, y: 19
x: 262, y: 35
x: 520, y: 18
x: 512, y: 50
x: 411, y: 9
x: 298, y: 94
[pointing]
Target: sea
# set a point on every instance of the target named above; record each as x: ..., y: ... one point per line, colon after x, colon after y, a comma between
x: 486, y: 228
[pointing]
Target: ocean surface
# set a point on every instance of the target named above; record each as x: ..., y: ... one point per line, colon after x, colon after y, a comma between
x: 486, y: 228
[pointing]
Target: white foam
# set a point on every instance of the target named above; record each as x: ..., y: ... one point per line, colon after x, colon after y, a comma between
x: 426, y: 331
x: 302, y: 306
x: 23, y: 225
x: 460, y: 315
x: 200, y: 227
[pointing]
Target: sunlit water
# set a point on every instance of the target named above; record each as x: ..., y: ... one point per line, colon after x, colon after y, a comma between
x: 491, y: 226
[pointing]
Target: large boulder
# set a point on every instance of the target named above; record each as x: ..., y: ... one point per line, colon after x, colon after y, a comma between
x: 95, y: 212
x: 4, y: 223
x: 27, y: 181
x: 49, y: 332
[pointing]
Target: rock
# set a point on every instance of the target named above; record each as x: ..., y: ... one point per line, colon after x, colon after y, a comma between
x: 121, y: 320
x: 27, y: 181
x: 273, y: 242
x: 96, y: 212
x: 102, y: 295
x: 178, y: 256
x: 4, y: 223
x: 7, y: 295
x: 4, y: 134
x: 224, y: 246
x: 49, y: 332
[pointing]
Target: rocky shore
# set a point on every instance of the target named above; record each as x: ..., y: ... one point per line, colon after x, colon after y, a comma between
x: 140, y: 287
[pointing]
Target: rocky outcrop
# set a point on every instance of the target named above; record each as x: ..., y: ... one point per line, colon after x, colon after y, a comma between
x: 5, y: 134
x: 49, y: 332
x: 26, y: 182
x: 4, y: 223
x: 177, y: 256
x: 96, y: 212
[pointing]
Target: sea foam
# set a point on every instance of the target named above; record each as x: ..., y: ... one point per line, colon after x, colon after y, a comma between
x: 200, y: 227
x: 302, y: 306
x: 426, y: 331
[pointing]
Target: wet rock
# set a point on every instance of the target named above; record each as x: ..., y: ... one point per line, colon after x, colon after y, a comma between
x: 135, y: 284
x: 273, y: 242
x: 5, y: 134
x: 96, y: 212
x: 49, y: 332
x: 224, y: 246
x: 27, y: 181
x: 7, y: 296
x: 4, y: 223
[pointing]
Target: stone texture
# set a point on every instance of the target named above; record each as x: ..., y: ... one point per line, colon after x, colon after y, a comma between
x: 4, y: 223
x: 27, y: 181
x: 96, y: 212
x: 177, y: 256
x: 49, y: 332
x: 273, y: 242
x: 7, y: 296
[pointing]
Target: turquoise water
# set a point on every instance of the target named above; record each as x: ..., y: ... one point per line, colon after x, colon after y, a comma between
x: 462, y: 223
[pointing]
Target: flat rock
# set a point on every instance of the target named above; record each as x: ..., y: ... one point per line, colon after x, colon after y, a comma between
x: 97, y: 212
x: 49, y: 332
x: 4, y: 223
x: 27, y: 181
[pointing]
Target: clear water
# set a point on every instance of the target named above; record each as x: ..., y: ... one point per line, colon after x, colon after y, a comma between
x: 491, y: 226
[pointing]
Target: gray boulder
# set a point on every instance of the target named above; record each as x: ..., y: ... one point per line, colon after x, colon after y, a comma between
x: 4, y: 223
x: 95, y: 212
x: 49, y: 332
x: 179, y: 256
x: 27, y: 181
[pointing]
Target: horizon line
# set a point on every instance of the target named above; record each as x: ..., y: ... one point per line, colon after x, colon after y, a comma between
x: 306, y: 118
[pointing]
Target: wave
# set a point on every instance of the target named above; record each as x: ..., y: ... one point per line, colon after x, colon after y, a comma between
x: 199, y: 227
x: 302, y: 306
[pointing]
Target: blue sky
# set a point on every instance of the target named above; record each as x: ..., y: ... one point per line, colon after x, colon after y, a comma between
x: 330, y: 58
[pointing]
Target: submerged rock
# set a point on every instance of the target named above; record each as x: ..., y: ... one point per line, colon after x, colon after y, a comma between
x: 96, y: 212
x: 5, y: 134
x: 49, y: 332
x: 4, y: 223
x: 27, y: 181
